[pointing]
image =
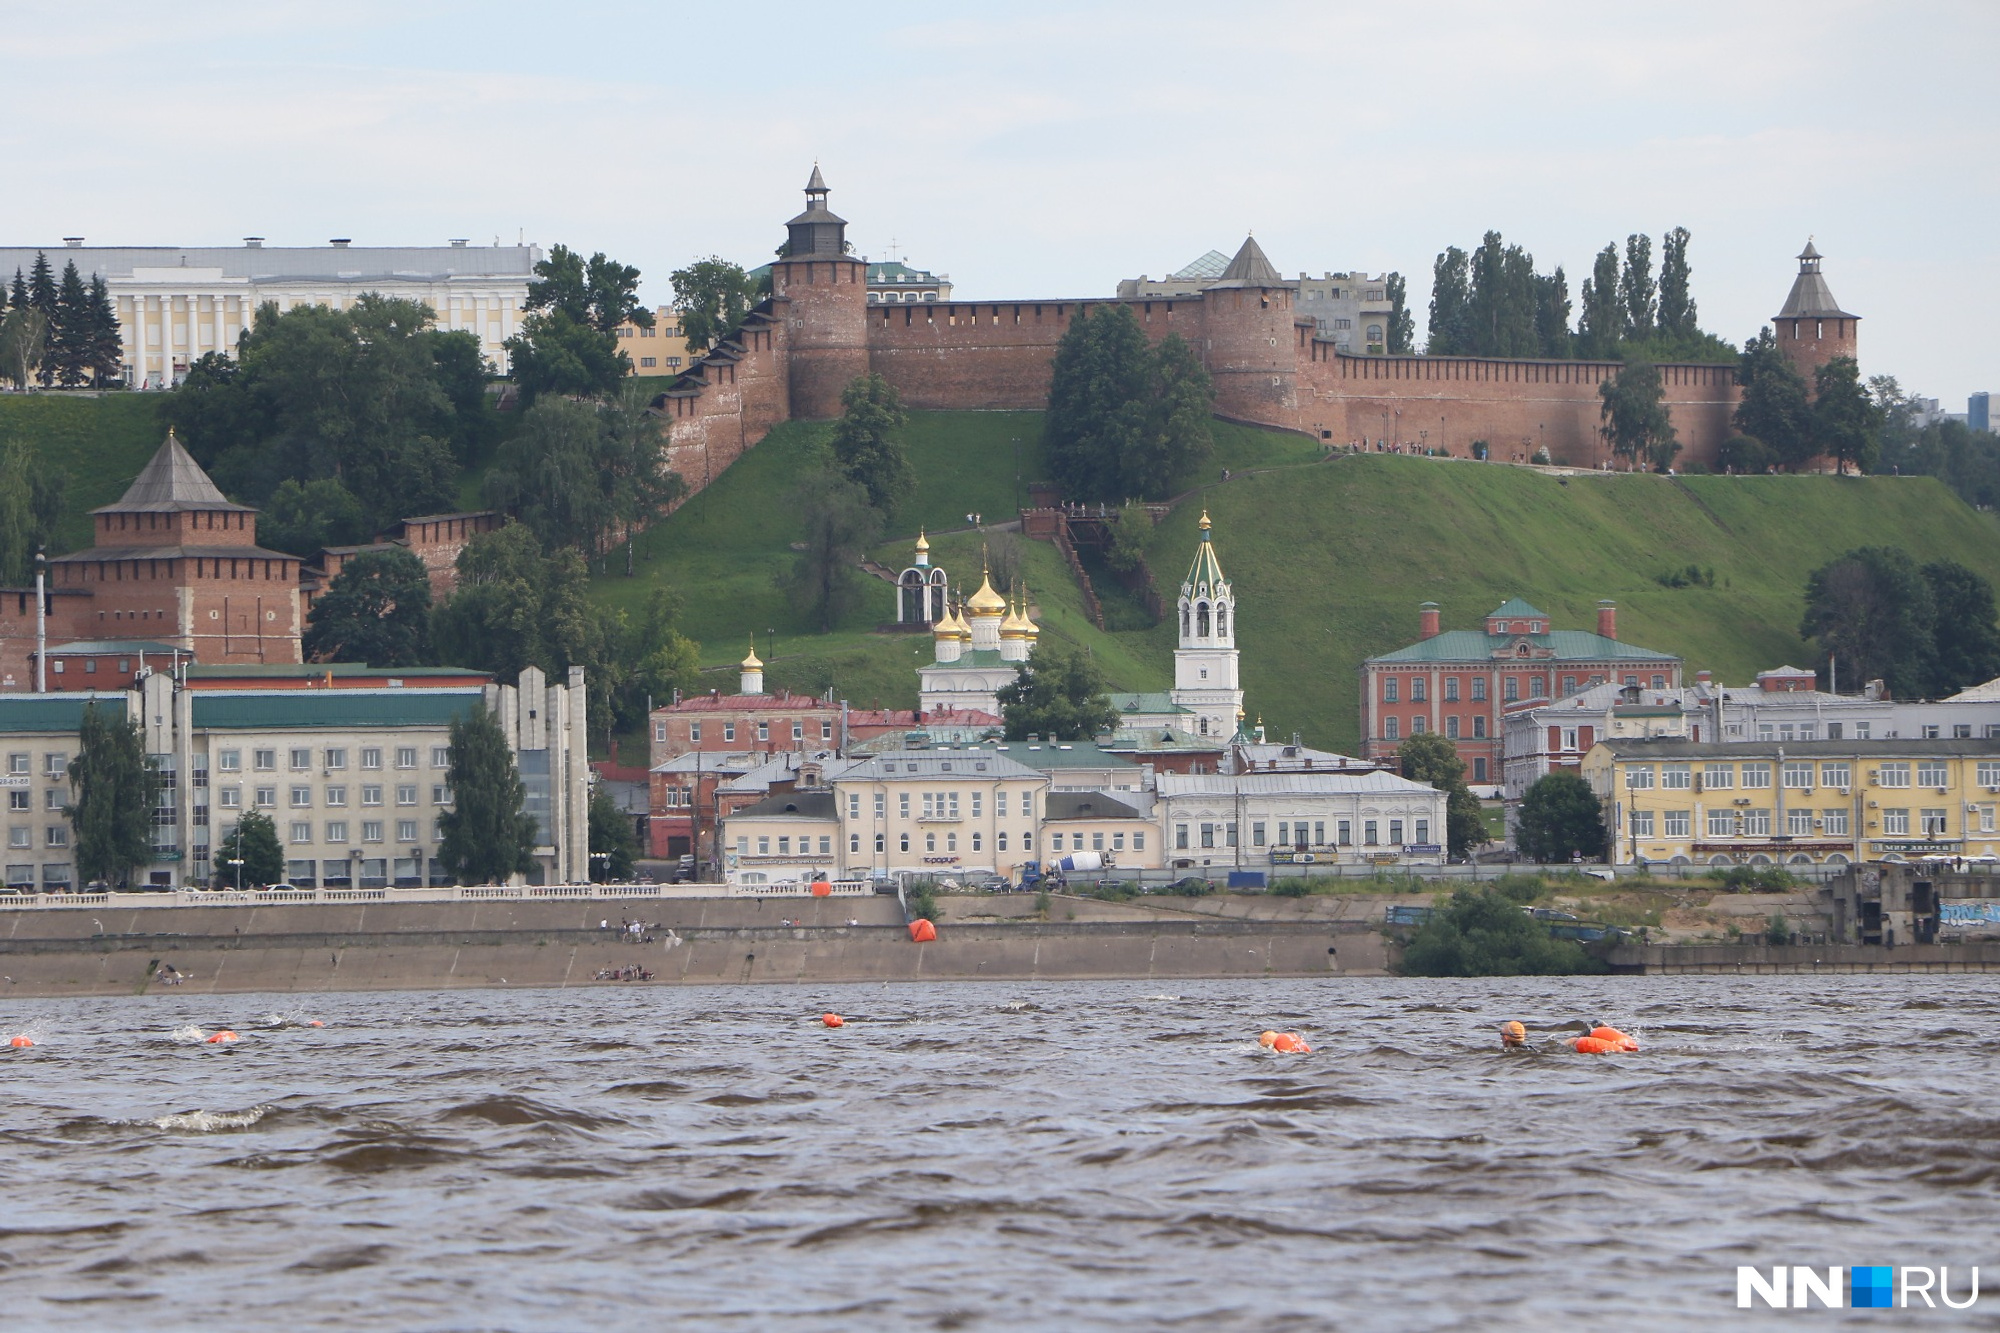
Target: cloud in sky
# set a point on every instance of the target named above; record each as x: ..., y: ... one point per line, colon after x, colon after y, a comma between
x: 1045, y: 149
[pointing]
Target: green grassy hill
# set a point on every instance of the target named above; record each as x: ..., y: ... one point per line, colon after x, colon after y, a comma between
x: 102, y: 442
x: 1330, y: 559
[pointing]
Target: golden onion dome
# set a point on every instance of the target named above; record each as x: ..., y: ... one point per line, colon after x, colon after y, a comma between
x: 751, y: 663
x: 1014, y: 625
x: 923, y: 543
x: 986, y: 602
x: 1029, y: 629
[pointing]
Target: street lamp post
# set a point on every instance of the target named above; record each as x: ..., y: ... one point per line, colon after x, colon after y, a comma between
x: 237, y: 861
x: 606, y: 868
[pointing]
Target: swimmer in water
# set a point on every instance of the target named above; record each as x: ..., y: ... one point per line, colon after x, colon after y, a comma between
x: 1513, y: 1035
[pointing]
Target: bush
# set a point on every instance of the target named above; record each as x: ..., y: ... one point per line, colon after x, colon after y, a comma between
x: 1116, y: 891
x: 1297, y: 887
x: 921, y: 895
x: 1042, y: 903
x: 1777, y: 930
x: 1757, y: 879
x: 1520, y: 888
x: 1191, y: 887
x: 1485, y: 934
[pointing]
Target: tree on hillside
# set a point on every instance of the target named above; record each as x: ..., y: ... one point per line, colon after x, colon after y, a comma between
x: 1635, y: 288
x: 24, y: 336
x: 116, y: 786
x: 866, y: 444
x: 1635, y: 416
x: 1872, y: 610
x: 1431, y: 758
x: 1402, y: 323
x: 613, y: 844
x: 357, y: 395
x: 488, y: 837
x: 1677, y: 308
x: 304, y: 519
x: 1451, y: 304
x: 1057, y: 694
x: 254, y: 840
x: 1124, y: 420
x: 1501, y: 307
x: 663, y: 659
x: 1552, y: 312
x: 42, y: 287
x: 70, y: 331
x: 1775, y: 409
x: 640, y: 483
x: 711, y: 296
x: 586, y: 475
x: 1744, y: 455
x: 568, y: 343
x: 1561, y: 819
x: 31, y: 504
x: 1127, y: 551
x: 824, y: 583
x: 517, y: 606
x: 1844, y: 418
x: 1601, y: 322
x: 1965, y: 637
x: 377, y: 610
x: 103, y: 351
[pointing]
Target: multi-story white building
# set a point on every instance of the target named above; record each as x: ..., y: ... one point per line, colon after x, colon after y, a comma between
x: 349, y: 765
x: 177, y: 303
x: 1352, y: 309
x: 1256, y: 820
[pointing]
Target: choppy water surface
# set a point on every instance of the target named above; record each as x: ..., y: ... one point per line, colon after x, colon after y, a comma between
x: 1082, y: 1155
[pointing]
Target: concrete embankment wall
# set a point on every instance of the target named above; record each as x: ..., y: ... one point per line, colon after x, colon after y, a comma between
x: 427, y: 946
x: 1651, y: 960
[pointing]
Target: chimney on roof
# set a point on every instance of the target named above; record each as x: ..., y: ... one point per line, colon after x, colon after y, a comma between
x: 253, y: 242
x: 1704, y: 677
x: 73, y: 242
x: 1607, y: 619
x: 460, y: 242
x: 339, y: 242
x: 1427, y: 620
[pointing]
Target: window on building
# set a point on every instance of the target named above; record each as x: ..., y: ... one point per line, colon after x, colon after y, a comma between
x: 1389, y: 694
x: 1863, y: 730
x: 1451, y: 727
x: 1676, y: 777
x: 1676, y: 822
x: 266, y: 760
x: 371, y: 830
x: 227, y: 761
x: 1930, y: 731
x: 1418, y: 692
x: 1344, y: 830
x: 230, y: 798
x: 881, y: 799
x: 1718, y: 777
x: 825, y: 730
x: 1368, y: 838
x: 1479, y: 689
x: 1833, y: 823
x: 1139, y: 841
x: 1479, y: 726
x: 1395, y: 833
x: 1931, y: 773
x: 301, y: 797
x: 1721, y: 824
x: 854, y: 805
x: 267, y: 798
x: 728, y: 731
x: 1642, y: 823
x: 903, y: 804
x: 1639, y: 777
x: 336, y: 830
x: 1180, y: 837
x: 1390, y: 729
x: 1419, y: 724
x: 1894, y: 775
x: 1835, y: 775
x: 1757, y: 823
x: 20, y: 837
x: 798, y: 731
x: 1569, y: 686
x: 1510, y: 689
x: 1756, y: 776
x: 1934, y: 823
x: 905, y: 842
x: 1896, y: 822
x: 406, y: 793
x: 301, y: 760
x: 878, y: 843
x: 406, y: 756
x: 1798, y: 774
x: 1451, y: 689
x: 763, y: 731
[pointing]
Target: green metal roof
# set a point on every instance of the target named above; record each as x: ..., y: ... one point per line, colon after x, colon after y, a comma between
x: 1204, y: 576
x: 1514, y: 608
x: 1568, y: 645
x: 289, y: 710
x: 53, y: 712
x: 1155, y: 701
x: 320, y: 670
x: 1047, y: 755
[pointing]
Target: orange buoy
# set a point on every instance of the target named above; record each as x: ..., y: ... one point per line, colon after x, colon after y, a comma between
x: 833, y: 1020
x: 1615, y: 1037
x: 821, y: 889
x: 315, y: 1023
x: 22, y: 1042
x: 922, y: 931
x: 1291, y: 1043
x: 221, y: 1038
x: 1267, y: 1038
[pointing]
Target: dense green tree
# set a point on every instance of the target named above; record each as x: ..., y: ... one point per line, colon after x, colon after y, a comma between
x: 42, y: 287
x: 585, y: 474
x: 1502, y: 318
x: 31, y: 504
x: 1775, y: 408
x: 17, y: 295
x: 1451, y: 304
x: 1965, y: 638
x: 1845, y: 419
x: 377, y: 610
x: 1482, y: 933
x: 1966, y: 460
x: 1125, y: 419
x: 639, y: 482
x: 1635, y: 416
x: 1560, y: 819
x: 1127, y: 551
x: 1872, y: 611
x: 568, y: 343
x: 824, y: 583
x: 253, y: 839
x: 488, y: 837
x: 867, y: 448
x: 1431, y: 758
x: 304, y: 519
x: 1601, y: 322
x: 24, y: 340
x: 70, y: 331
x: 1402, y: 322
x: 1635, y: 287
x: 598, y: 293
x: 1552, y: 311
x: 663, y: 659
x: 516, y: 606
x: 711, y: 296
x: 116, y: 786
x: 613, y: 843
x: 1744, y: 454
x: 1677, y: 308
x: 1058, y: 694
x: 355, y: 395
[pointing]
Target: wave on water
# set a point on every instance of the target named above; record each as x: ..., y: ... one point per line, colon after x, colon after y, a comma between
x: 187, y: 1036
x: 207, y: 1122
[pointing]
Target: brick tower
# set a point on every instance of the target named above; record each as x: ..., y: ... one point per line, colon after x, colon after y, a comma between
x: 1251, y: 353
x: 1812, y: 328
x: 823, y: 296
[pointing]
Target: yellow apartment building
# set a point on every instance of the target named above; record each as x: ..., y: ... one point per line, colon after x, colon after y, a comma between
x: 660, y: 350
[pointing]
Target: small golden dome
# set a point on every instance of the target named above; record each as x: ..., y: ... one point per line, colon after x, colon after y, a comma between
x: 751, y: 663
x: 923, y: 543
x: 986, y: 602
x: 1205, y: 525
x: 1028, y: 627
x: 1014, y: 625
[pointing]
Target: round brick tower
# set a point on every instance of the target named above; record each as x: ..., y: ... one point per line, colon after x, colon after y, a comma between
x: 1812, y: 328
x: 824, y: 295
x: 1251, y: 350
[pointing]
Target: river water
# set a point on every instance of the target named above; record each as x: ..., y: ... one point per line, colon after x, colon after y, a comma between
x: 989, y: 1156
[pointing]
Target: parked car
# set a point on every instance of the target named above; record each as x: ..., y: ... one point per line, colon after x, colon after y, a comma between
x: 1191, y: 886
x: 1550, y: 914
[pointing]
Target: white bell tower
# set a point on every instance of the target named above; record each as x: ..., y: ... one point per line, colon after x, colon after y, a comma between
x: 1205, y: 676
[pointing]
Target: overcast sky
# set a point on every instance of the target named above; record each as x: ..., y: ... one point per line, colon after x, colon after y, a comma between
x: 1047, y: 149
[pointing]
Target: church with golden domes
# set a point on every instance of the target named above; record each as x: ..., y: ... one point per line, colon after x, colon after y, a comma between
x: 978, y: 642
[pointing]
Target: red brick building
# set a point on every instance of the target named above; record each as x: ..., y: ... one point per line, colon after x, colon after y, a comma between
x: 1462, y: 682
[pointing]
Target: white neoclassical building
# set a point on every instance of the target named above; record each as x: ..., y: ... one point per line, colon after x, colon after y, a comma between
x: 177, y: 303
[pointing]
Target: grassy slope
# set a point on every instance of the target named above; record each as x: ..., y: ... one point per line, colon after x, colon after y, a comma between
x: 102, y: 442
x: 1331, y: 561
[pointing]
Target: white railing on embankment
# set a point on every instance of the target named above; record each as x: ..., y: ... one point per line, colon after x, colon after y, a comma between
x: 847, y: 888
